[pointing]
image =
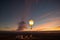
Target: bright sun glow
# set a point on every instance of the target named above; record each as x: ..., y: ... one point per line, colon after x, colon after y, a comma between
x: 31, y: 22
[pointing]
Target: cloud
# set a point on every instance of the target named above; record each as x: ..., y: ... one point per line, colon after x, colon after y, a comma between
x: 52, y: 24
x: 47, y: 25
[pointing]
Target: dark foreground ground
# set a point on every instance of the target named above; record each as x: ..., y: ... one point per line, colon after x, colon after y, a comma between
x: 42, y: 35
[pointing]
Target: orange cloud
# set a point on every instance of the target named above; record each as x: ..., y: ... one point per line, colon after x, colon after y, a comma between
x: 48, y: 25
x: 51, y: 25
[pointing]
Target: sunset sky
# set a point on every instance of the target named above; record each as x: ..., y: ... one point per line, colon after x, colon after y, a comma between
x: 45, y: 13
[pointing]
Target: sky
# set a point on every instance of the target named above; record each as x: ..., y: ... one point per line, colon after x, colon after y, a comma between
x: 45, y: 13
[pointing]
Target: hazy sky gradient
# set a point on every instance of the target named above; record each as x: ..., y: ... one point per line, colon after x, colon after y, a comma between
x: 43, y: 12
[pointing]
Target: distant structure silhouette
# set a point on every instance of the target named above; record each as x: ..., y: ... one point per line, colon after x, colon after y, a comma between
x: 22, y: 25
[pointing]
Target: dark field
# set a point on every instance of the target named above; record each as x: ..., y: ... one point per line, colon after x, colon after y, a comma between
x: 42, y: 35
